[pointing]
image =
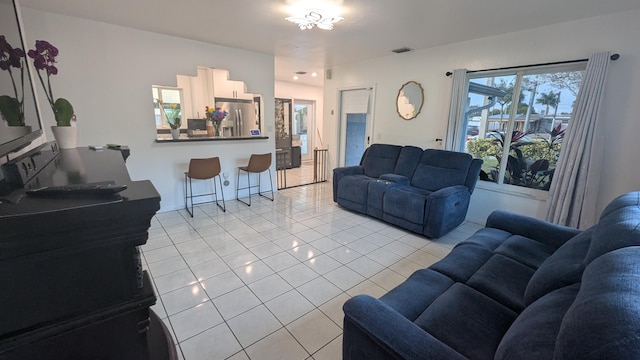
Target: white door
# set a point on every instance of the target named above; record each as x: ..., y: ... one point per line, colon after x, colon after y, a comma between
x: 355, y: 124
x: 304, y: 126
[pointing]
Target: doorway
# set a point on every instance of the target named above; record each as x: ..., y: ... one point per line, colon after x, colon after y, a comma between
x: 303, y: 125
x: 355, y: 124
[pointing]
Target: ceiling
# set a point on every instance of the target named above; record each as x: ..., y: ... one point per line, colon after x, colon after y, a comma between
x: 371, y: 28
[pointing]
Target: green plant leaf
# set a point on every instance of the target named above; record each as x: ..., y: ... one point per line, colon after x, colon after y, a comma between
x: 10, y: 109
x: 63, y: 111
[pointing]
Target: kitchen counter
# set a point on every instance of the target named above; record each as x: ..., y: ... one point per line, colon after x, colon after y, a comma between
x: 166, y: 138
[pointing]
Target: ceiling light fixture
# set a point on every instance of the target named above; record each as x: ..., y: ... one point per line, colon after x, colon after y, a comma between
x: 314, y: 17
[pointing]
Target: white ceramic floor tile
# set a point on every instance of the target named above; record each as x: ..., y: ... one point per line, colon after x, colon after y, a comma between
x: 175, y: 280
x: 304, y: 252
x: 184, y: 298
x: 195, y: 258
x: 367, y: 287
x: 331, y: 351
x: 344, y: 254
x: 216, y: 343
x: 325, y: 244
x: 253, y: 325
x: 333, y: 308
x: 157, y: 242
x: 319, y: 291
x: 236, y: 302
x: 278, y: 346
x: 209, y: 269
x: 222, y: 284
x: 322, y: 264
x: 192, y: 246
x: 365, y: 266
x: 314, y: 330
x: 167, y: 266
x: 289, y: 242
x: 253, y: 272
x: 344, y: 278
x: 265, y: 250
x: 387, y: 279
x: 195, y: 320
x: 239, y: 259
x: 298, y: 274
x: 270, y: 287
x: 289, y: 306
x: 281, y: 261
x: 384, y: 257
x: 160, y: 254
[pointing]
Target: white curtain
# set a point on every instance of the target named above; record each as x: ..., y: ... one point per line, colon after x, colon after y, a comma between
x: 572, y: 197
x: 457, y: 107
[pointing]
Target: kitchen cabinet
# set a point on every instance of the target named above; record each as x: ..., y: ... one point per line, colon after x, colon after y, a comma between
x: 229, y: 89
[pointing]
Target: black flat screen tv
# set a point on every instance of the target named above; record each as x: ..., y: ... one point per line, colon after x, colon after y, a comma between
x: 20, y: 121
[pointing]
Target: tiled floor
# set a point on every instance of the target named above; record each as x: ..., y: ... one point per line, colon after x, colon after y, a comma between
x: 299, y: 176
x: 268, y: 281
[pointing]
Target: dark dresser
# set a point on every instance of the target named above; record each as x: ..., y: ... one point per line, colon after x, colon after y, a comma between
x: 71, y: 279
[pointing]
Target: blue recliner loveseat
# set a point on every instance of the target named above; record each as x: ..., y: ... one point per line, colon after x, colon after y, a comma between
x: 424, y: 191
x: 520, y: 288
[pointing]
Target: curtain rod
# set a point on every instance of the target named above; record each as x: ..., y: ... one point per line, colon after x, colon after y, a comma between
x: 613, y: 57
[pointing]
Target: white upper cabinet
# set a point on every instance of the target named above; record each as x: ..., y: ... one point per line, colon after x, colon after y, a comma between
x: 229, y: 89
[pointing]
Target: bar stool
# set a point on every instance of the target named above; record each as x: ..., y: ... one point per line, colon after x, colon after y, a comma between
x: 203, y: 169
x: 258, y: 163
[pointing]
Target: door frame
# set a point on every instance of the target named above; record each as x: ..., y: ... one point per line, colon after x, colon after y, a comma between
x: 311, y: 125
x: 342, y: 123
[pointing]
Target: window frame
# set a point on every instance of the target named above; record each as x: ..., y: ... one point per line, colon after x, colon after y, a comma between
x: 519, y: 73
x: 163, y: 121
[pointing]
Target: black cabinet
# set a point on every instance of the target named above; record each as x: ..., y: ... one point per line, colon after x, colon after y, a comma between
x: 72, y: 281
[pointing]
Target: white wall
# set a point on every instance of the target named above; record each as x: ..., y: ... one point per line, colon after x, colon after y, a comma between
x: 289, y: 90
x: 106, y: 72
x: 620, y: 128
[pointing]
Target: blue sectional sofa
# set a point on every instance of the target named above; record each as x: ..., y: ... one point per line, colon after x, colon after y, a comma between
x: 424, y: 191
x: 520, y: 288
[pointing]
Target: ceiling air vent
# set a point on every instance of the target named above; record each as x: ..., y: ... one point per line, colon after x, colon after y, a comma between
x: 301, y: 72
x: 402, y: 50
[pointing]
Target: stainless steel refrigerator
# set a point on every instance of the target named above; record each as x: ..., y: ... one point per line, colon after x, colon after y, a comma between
x: 242, y: 118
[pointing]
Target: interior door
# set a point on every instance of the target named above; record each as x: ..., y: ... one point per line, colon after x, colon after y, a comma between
x: 355, y: 125
x: 303, y: 127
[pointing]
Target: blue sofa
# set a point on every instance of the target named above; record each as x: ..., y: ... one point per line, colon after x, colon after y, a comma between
x: 520, y: 288
x: 424, y: 191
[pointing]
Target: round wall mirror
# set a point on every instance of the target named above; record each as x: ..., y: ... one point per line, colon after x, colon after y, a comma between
x: 410, y: 100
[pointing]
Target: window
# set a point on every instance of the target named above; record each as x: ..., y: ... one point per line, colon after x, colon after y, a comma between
x: 520, y: 115
x: 168, y: 96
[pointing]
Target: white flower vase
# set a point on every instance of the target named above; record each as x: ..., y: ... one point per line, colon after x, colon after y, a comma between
x: 66, y: 136
x: 175, y: 134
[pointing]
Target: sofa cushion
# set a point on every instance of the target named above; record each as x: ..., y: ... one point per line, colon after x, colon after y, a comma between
x: 415, y: 294
x: 604, y: 320
x: 618, y: 228
x: 563, y: 268
x: 380, y: 159
x: 462, y: 262
x: 408, y: 160
x: 438, y: 169
x: 533, y: 335
x: 406, y: 202
x: 352, y: 192
x: 524, y: 250
x: 504, y: 280
x: 468, y: 321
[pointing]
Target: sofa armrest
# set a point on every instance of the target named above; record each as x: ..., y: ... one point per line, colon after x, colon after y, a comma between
x: 532, y: 228
x: 445, y: 209
x: 374, y: 330
x: 395, y: 178
x: 339, y: 173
